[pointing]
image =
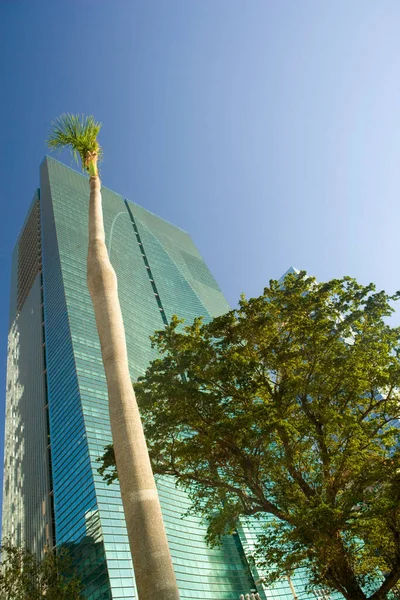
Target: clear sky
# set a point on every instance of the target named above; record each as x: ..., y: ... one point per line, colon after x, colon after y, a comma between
x: 268, y: 129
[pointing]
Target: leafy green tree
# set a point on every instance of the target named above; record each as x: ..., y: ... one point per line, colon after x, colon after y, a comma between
x: 23, y: 577
x: 286, y: 410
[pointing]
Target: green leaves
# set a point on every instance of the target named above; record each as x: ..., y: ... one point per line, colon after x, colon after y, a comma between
x: 79, y: 133
x: 23, y: 577
x: 287, y: 409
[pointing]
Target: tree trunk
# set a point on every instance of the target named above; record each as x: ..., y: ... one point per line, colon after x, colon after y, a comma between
x: 152, y: 563
x: 340, y: 572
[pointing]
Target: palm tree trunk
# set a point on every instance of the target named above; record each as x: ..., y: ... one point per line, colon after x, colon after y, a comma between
x: 152, y: 563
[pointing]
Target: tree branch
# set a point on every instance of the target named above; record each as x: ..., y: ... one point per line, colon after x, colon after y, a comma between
x: 305, y: 488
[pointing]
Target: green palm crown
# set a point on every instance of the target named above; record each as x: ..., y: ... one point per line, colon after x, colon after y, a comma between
x: 79, y: 133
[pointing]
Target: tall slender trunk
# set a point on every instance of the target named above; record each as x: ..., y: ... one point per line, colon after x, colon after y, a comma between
x: 152, y: 563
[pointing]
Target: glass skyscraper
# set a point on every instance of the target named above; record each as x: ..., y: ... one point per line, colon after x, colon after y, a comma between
x: 57, y: 420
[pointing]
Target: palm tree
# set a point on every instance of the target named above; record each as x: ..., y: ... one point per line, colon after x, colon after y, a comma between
x: 152, y: 563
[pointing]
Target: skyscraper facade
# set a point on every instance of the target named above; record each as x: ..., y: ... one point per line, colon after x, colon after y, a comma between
x: 57, y: 422
x: 56, y: 411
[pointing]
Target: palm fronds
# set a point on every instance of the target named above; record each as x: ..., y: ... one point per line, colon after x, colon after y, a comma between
x: 79, y: 133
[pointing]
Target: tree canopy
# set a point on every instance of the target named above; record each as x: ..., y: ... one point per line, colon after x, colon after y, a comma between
x: 286, y: 410
x: 24, y: 577
x: 79, y: 134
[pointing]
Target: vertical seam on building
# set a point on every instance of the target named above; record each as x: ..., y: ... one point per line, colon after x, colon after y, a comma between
x: 147, y: 265
x: 207, y: 313
x: 51, y: 517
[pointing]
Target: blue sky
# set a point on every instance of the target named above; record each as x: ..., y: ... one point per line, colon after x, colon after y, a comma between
x: 270, y: 130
